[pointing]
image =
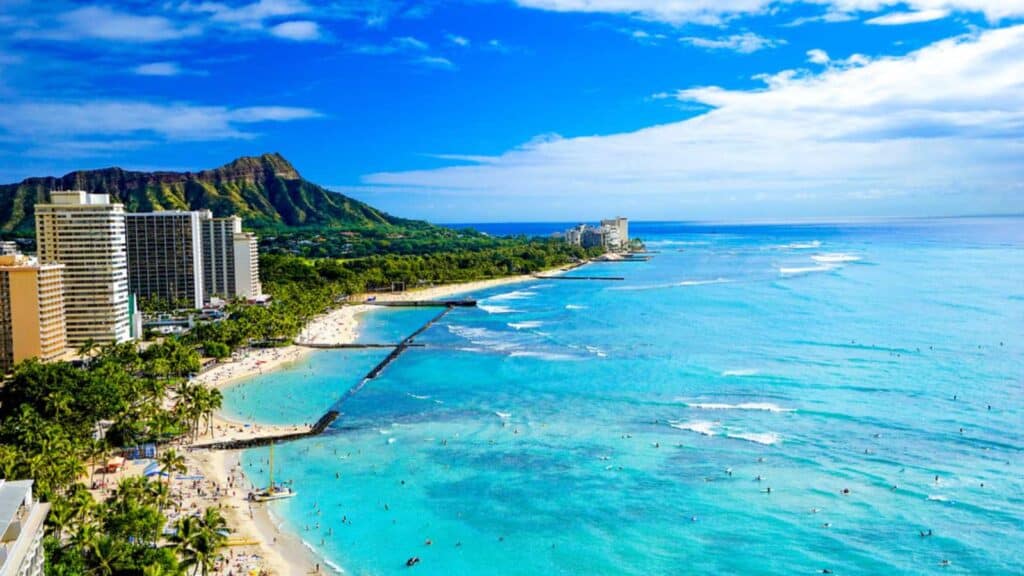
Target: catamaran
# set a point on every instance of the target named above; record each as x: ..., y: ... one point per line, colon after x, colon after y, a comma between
x: 272, y: 491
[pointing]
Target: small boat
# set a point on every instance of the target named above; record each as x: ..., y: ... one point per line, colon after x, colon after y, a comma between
x: 272, y: 491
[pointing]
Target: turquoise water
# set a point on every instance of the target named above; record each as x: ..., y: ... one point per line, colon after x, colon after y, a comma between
x: 621, y: 427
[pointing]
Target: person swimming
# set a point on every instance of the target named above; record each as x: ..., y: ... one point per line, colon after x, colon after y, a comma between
x: 925, y: 534
x: 414, y: 560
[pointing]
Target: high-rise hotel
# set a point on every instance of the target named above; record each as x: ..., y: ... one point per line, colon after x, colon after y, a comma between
x: 165, y: 257
x: 231, y: 266
x: 86, y: 233
x: 31, y: 311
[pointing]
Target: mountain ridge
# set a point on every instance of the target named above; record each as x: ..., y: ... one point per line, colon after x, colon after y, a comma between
x: 266, y: 191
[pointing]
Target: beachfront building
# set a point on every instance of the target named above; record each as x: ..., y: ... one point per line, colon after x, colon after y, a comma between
x: 247, y: 266
x: 86, y: 233
x: 9, y: 247
x: 230, y: 258
x: 31, y: 311
x: 592, y: 238
x: 612, y: 235
x: 21, y: 529
x: 618, y: 232
x: 165, y: 257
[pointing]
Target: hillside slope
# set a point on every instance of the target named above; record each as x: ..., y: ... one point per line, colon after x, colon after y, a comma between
x: 266, y: 191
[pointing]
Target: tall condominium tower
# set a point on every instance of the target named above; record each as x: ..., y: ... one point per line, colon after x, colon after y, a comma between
x: 230, y: 258
x: 85, y: 233
x: 165, y: 257
x: 31, y: 311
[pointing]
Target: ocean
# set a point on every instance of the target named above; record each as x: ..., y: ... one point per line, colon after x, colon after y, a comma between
x: 773, y: 399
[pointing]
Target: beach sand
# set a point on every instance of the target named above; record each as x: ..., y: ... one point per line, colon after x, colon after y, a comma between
x: 265, y: 546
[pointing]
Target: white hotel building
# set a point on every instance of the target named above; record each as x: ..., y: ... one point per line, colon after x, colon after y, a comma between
x: 86, y: 233
x: 21, y: 529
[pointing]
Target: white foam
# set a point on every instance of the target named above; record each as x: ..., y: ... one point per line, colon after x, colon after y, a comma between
x: 938, y: 498
x: 680, y: 284
x: 740, y: 372
x: 835, y: 258
x: 411, y: 395
x: 797, y: 271
x: 575, y: 307
x: 391, y: 440
x: 514, y: 295
x: 495, y: 309
x: 503, y: 415
x: 766, y: 438
x: 337, y: 569
x: 754, y: 406
x: 526, y: 324
x: 701, y: 427
x: 803, y: 245
x: 541, y: 355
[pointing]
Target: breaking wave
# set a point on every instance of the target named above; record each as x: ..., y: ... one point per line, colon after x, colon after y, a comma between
x: 754, y: 406
x: 835, y: 258
x: 526, y: 324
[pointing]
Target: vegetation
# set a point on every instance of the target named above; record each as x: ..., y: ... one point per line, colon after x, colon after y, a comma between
x: 266, y: 191
x: 318, y: 246
x: 49, y: 414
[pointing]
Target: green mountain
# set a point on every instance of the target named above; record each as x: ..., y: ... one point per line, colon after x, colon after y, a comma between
x: 266, y: 191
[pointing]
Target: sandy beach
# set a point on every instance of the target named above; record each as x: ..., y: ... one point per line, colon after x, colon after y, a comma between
x: 258, y: 543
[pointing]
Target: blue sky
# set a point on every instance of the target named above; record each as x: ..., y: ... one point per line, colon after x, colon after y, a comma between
x: 491, y: 110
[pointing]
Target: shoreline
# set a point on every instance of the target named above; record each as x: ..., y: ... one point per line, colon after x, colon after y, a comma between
x: 281, y: 551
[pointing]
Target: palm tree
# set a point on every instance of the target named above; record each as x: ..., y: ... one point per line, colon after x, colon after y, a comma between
x: 154, y: 570
x: 184, y: 539
x: 106, y: 553
x: 87, y: 347
x: 214, y: 520
x: 160, y: 493
x: 171, y: 462
x: 62, y: 514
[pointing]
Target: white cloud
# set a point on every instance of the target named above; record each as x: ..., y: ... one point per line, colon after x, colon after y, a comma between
x: 396, y: 45
x: 817, y: 56
x: 297, y: 30
x: 498, y: 46
x: 746, y: 43
x: 76, y: 121
x: 251, y: 15
x: 158, y: 69
x: 900, y: 18
x: 458, y: 40
x: 104, y: 23
x: 717, y: 11
x: 938, y: 130
x: 411, y: 43
x: 438, y: 62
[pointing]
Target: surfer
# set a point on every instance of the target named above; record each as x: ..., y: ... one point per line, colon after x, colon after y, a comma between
x: 926, y: 534
x: 414, y: 560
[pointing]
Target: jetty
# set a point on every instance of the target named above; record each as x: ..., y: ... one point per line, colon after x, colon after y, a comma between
x: 609, y: 278
x: 329, y: 346
x: 254, y: 442
x: 466, y: 303
x: 334, y: 412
